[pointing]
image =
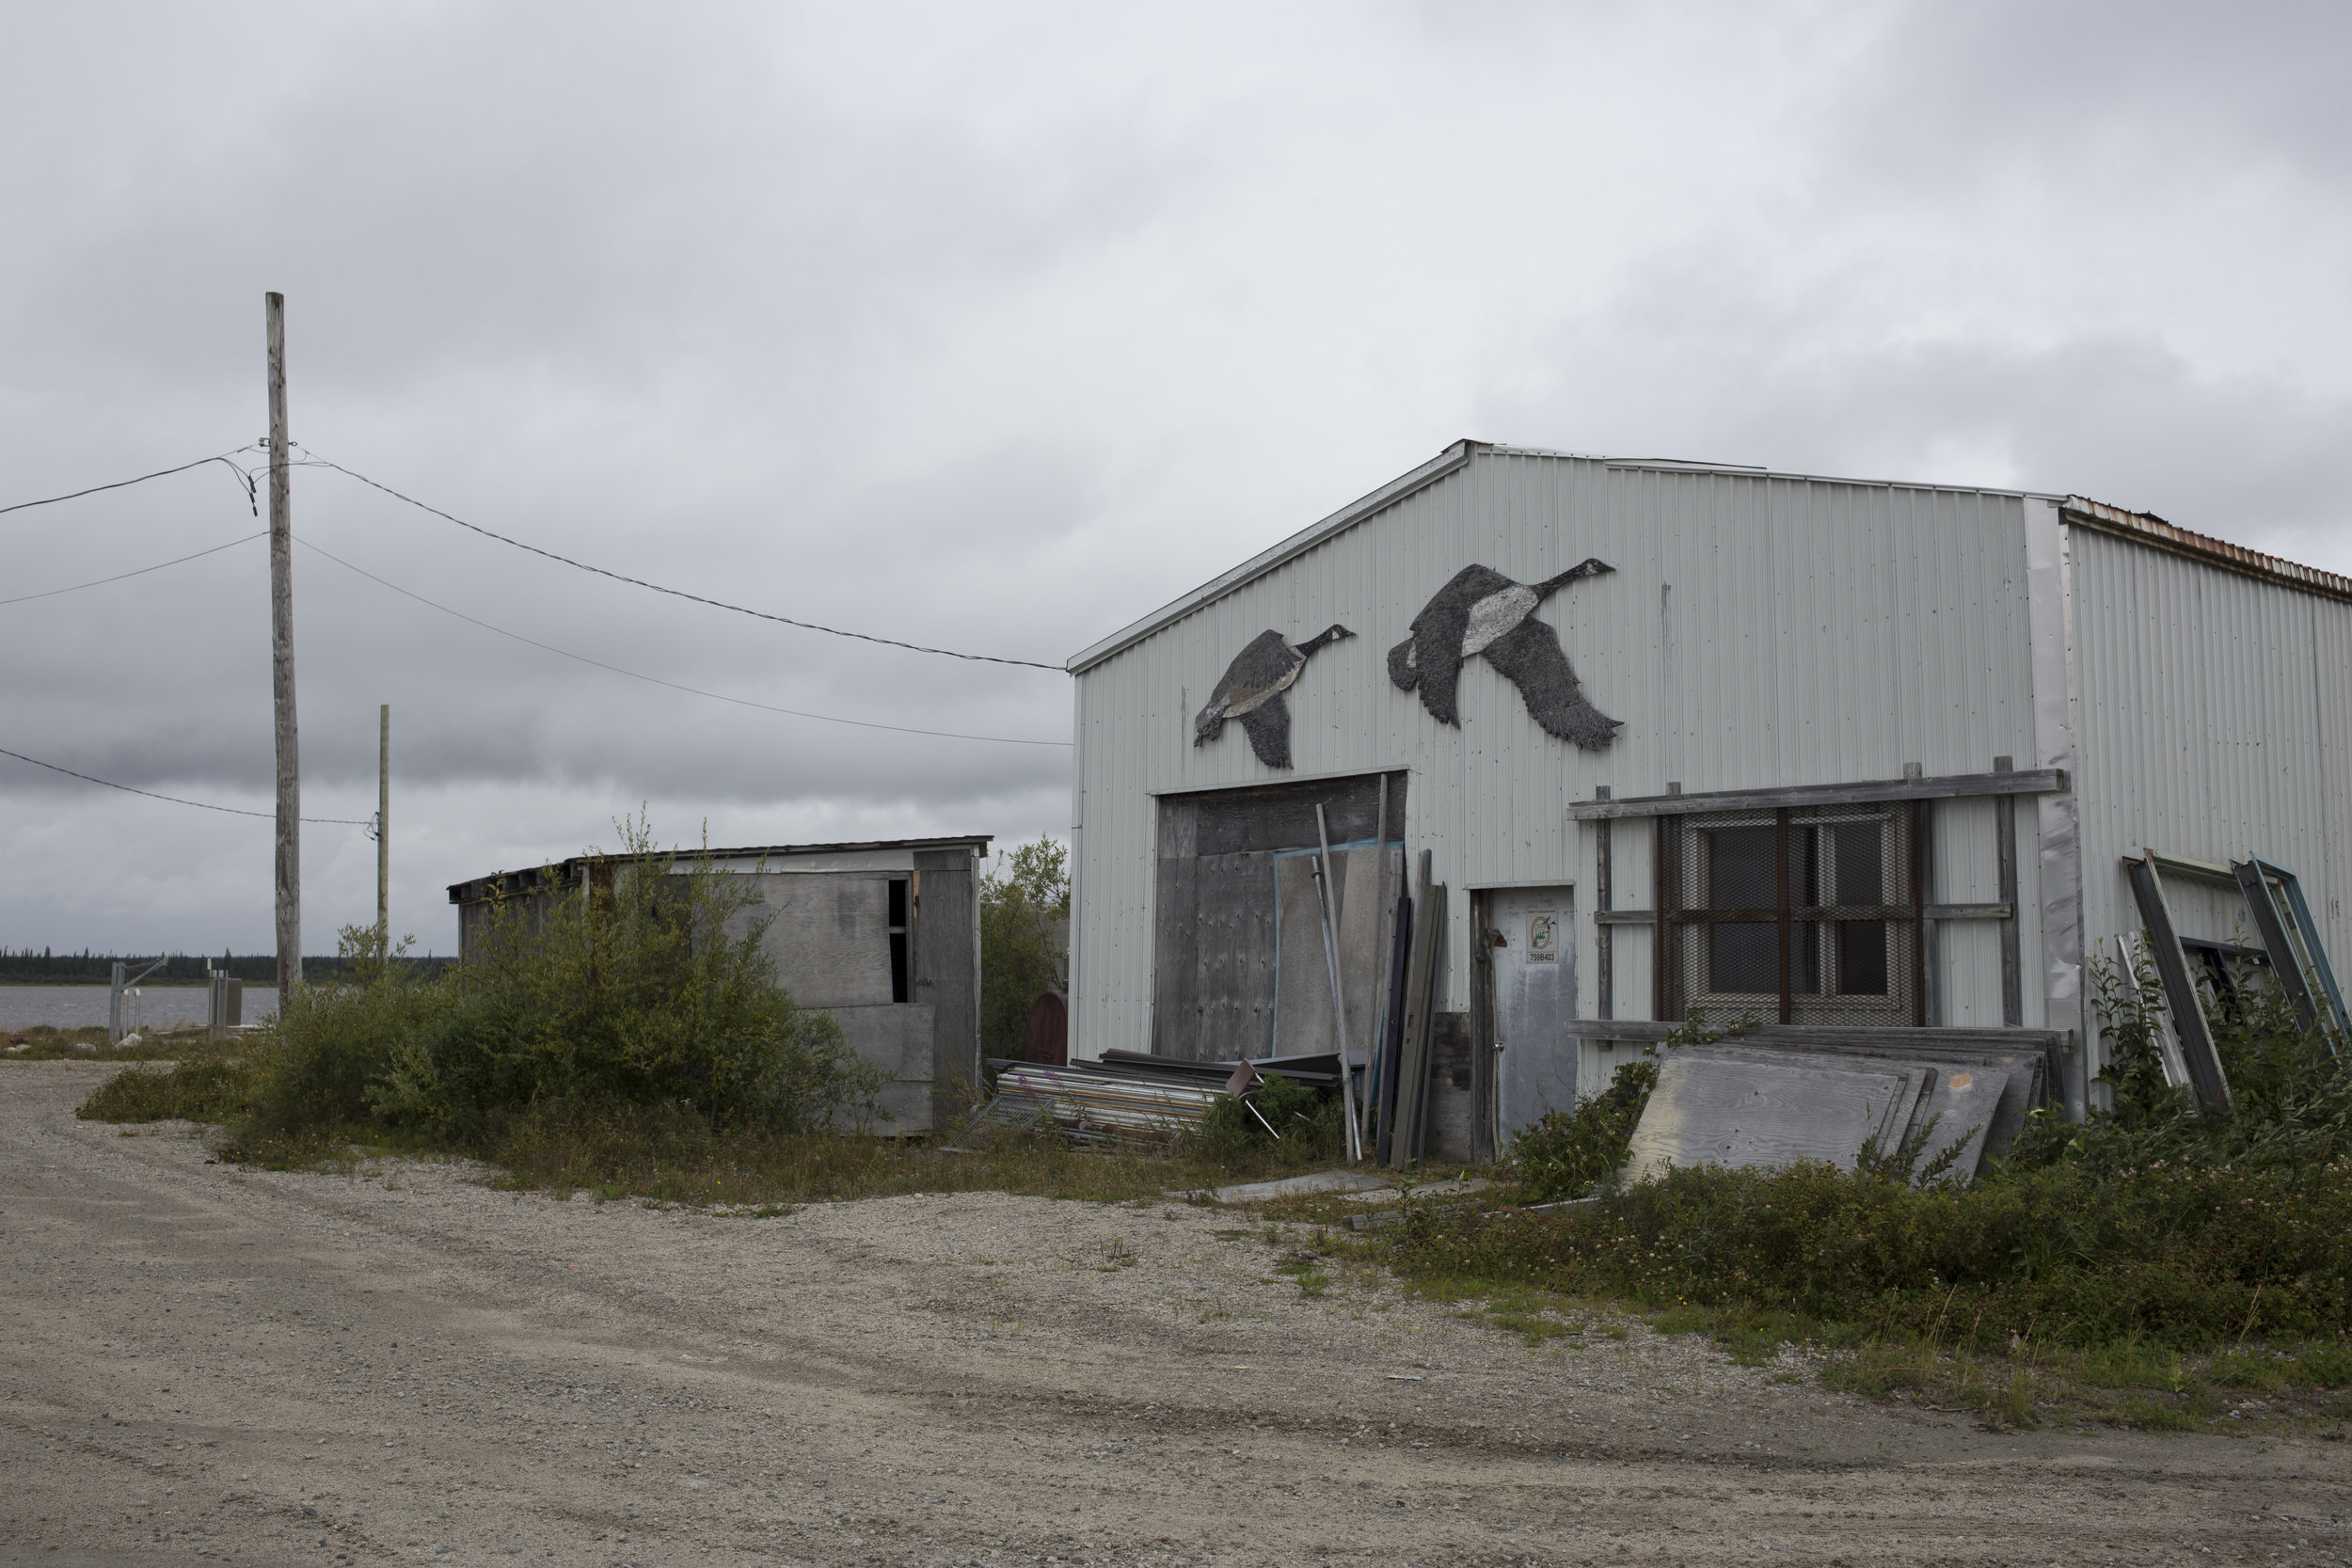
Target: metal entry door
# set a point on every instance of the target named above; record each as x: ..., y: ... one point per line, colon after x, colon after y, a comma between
x: 1534, y: 972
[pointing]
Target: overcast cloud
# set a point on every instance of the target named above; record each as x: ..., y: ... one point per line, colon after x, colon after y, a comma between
x: 997, y: 327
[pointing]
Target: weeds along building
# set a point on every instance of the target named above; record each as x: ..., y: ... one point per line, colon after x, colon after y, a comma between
x: 1681, y: 739
x: 884, y: 936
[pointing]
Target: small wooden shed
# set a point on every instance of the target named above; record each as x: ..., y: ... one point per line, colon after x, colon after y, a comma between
x: 885, y: 936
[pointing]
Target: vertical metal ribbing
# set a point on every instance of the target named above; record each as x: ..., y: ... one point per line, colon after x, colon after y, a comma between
x: 1780, y: 857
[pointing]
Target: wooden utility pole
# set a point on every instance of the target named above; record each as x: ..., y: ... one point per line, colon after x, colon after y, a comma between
x: 281, y: 663
x: 384, y: 834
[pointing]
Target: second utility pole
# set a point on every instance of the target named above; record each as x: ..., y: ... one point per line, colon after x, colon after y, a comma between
x: 384, y: 836
x: 281, y: 664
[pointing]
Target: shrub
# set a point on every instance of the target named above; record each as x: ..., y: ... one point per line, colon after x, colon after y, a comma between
x: 2156, y: 1223
x: 1025, y: 917
x: 211, y: 1089
x: 1312, y: 1124
x: 1566, y: 1154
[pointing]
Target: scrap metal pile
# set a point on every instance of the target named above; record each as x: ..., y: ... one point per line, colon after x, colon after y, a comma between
x: 1128, y: 1098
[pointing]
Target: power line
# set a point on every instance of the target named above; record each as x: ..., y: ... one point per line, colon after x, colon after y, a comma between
x: 201, y: 805
x: 656, y: 680
x: 318, y: 461
x: 244, y: 480
x: 101, y: 583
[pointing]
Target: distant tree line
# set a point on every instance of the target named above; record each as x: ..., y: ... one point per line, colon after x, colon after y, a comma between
x: 47, y: 968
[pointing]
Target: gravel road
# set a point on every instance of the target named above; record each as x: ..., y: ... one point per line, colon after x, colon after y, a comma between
x: 203, y: 1362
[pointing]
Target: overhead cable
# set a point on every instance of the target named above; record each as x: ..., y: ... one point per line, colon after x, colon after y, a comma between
x: 201, y: 805
x: 101, y: 583
x: 244, y: 480
x: 318, y: 461
x: 656, y: 680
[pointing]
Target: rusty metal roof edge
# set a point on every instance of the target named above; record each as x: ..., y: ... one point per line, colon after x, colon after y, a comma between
x: 568, y: 868
x: 2147, y: 529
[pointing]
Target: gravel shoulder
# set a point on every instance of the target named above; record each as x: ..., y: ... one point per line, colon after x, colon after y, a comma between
x: 409, y: 1366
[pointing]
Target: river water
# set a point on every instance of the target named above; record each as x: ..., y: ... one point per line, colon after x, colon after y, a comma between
x: 153, y: 1007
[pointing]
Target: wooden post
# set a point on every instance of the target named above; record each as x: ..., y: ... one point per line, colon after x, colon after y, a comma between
x: 2005, y: 891
x: 1324, y: 900
x: 384, y: 833
x: 281, y: 663
x: 1604, y: 934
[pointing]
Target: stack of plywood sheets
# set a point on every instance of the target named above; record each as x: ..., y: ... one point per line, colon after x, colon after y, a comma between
x: 1745, y: 1103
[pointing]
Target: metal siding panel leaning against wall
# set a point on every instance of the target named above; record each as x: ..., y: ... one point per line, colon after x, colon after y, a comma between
x: 2050, y: 620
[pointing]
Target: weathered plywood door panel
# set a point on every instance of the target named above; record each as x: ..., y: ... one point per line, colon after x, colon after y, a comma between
x: 896, y: 1038
x: 1712, y: 1111
x: 1962, y: 1103
x: 1366, y: 926
x: 1535, y: 971
x: 1302, y: 995
x: 1234, y: 973
x: 947, y: 969
x: 829, y: 935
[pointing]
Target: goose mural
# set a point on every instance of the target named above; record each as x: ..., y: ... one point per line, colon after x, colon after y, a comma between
x: 1482, y: 611
x: 1251, y: 691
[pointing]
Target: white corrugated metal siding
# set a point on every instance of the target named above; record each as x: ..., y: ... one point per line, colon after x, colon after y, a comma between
x: 2213, y: 710
x: 1757, y: 632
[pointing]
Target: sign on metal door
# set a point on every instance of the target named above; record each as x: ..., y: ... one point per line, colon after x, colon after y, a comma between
x: 1543, y: 937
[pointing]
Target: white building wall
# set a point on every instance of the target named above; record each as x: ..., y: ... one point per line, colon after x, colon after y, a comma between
x: 2214, y: 714
x: 1756, y: 632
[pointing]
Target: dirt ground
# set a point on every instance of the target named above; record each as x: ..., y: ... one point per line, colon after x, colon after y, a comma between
x: 204, y: 1362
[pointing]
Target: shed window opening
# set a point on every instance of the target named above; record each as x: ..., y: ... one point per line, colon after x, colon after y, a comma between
x: 1803, y: 916
x: 897, y: 938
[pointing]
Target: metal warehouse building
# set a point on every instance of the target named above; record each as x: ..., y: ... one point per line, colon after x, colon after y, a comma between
x: 1826, y: 753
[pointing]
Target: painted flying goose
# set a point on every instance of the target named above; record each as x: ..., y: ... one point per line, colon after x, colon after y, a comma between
x: 1251, y: 691
x: 1482, y: 611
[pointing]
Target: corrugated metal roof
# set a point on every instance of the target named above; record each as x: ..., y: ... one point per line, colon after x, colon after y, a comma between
x: 2143, y: 526
x: 2149, y: 528
x: 567, y: 871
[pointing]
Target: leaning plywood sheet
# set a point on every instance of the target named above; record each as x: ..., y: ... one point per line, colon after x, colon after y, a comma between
x: 1363, y: 936
x: 1302, y: 978
x: 1302, y: 1001
x: 1723, y: 1109
x: 2025, y: 1085
x: 1980, y: 1095
x: 1955, y: 1117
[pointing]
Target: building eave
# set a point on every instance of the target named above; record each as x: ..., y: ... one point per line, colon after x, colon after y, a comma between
x: 2146, y: 527
x: 1298, y: 544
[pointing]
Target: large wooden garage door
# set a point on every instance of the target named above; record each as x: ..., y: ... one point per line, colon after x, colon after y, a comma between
x: 1217, y: 946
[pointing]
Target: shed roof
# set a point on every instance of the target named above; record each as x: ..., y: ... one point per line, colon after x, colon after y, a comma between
x: 567, y: 870
x: 2144, y: 528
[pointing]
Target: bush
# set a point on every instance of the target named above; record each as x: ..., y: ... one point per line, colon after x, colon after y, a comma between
x: 1025, y: 917
x: 2157, y: 1223
x: 645, y: 988
x: 2179, y: 1257
x: 212, y: 1089
x: 1566, y: 1154
x: 1312, y: 1125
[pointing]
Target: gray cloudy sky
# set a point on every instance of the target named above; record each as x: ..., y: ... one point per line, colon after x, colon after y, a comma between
x: 999, y: 326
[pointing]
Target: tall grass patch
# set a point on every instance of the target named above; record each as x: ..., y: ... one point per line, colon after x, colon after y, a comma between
x: 2156, y: 1229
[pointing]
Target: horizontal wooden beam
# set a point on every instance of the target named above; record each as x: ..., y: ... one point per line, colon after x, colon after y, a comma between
x: 2040, y: 781
x: 1933, y: 912
x: 1644, y: 1032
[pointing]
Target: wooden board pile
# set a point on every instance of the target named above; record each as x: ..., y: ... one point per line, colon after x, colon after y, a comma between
x: 1943, y: 1106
